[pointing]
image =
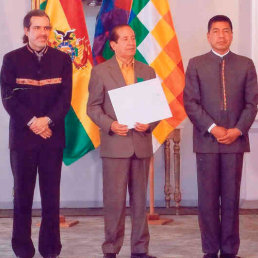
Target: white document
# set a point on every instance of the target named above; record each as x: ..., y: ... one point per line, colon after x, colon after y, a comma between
x: 142, y: 102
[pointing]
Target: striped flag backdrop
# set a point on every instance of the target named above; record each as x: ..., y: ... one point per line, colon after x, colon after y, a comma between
x: 69, y: 34
x: 157, y: 46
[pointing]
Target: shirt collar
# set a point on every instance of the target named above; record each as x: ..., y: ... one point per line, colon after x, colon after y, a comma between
x: 123, y: 65
x: 41, y: 52
x: 217, y: 54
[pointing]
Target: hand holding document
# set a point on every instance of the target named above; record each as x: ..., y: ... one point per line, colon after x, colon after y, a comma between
x: 143, y: 102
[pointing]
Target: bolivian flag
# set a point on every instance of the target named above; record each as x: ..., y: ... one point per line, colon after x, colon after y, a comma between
x: 69, y: 34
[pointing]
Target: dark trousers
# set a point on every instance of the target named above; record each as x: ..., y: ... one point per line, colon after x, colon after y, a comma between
x: 219, y: 178
x: 117, y: 175
x: 25, y: 165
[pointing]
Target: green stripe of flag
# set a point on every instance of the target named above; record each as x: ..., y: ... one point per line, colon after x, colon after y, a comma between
x: 107, y: 52
x: 140, y: 30
x: 139, y: 5
x: 139, y: 57
x: 78, y: 143
x: 43, y: 5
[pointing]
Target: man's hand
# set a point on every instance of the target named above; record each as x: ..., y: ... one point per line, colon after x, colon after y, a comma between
x: 231, y: 135
x: 46, y: 134
x: 119, y: 129
x: 141, y: 127
x: 218, y: 131
x: 39, y: 125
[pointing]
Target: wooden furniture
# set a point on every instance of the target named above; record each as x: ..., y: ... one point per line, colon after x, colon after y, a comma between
x: 168, y: 189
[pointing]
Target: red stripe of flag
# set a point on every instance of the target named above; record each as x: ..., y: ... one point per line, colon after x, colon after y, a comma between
x: 72, y: 7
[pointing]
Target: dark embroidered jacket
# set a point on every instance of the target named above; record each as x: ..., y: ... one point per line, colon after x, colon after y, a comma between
x: 32, y: 88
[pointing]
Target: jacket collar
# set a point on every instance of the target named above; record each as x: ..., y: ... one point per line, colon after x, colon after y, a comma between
x: 215, y: 57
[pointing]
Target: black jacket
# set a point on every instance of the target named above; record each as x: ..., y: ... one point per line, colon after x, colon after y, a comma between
x: 32, y: 88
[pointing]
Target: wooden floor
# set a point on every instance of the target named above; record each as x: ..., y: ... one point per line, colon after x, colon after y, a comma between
x: 178, y: 239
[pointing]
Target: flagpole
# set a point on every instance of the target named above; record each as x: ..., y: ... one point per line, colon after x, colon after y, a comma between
x: 153, y: 218
x: 35, y: 4
x: 151, y: 176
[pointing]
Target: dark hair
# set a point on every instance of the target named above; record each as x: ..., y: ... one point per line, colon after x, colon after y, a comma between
x: 219, y: 18
x: 27, y: 20
x: 113, y: 35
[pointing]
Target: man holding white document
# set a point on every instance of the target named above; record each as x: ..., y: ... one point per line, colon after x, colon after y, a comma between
x: 125, y: 152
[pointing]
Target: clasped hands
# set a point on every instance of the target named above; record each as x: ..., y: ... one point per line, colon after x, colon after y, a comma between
x: 40, y: 127
x: 225, y: 136
x: 122, y: 130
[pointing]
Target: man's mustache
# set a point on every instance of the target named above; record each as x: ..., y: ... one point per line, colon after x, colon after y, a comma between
x: 42, y: 37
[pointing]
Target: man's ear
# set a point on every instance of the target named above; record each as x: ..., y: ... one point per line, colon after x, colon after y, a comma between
x: 113, y: 45
x: 208, y: 36
x: 26, y: 31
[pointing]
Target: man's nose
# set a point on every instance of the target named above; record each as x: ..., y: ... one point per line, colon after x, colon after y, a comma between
x: 43, y: 31
x: 221, y: 34
x: 131, y: 41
